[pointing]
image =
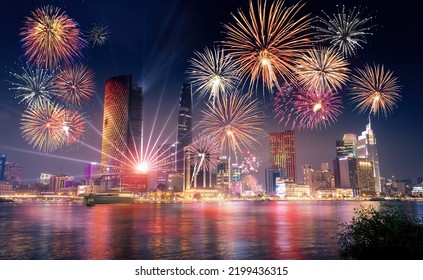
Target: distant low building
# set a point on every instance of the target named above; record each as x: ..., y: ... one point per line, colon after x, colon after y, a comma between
x: 6, y: 188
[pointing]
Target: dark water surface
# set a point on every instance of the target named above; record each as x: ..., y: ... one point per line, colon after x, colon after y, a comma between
x: 227, y: 230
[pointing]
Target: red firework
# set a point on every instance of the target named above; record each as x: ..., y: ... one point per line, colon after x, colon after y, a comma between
x: 75, y: 85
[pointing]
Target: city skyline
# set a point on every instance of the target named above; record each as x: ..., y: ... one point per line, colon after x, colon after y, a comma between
x: 157, y: 57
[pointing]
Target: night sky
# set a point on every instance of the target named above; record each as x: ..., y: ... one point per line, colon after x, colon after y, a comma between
x: 152, y: 40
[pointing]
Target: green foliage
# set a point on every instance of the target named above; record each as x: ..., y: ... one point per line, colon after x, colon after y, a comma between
x: 384, y: 233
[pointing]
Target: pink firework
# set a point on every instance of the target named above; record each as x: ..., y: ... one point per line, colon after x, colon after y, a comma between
x: 75, y: 85
x: 316, y: 109
x: 283, y: 105
x: 51, y: 37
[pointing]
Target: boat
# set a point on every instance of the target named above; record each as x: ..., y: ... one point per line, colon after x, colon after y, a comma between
x: 89, y: 200
x: 113, y: 198
x: 3, y: 199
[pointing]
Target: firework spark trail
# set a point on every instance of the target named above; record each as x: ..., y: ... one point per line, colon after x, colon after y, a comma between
x: 322, y: 69
x: 375, y: 90
x: 75, y: 84
x: 346, y: 30
x: 51, y: 37
x: 235, y: 121
x: 42, y: 127
x: 212, y: 73
x: 266, y: 42
x: 34, y: 86
x: 98, y: 34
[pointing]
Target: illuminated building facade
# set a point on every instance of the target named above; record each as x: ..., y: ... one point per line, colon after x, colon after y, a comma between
x: 366, y: 148
x: 271, y: 177
x: 345, y: 169
x: 347, y: 147
x: 365, y: 179
x: 222, y: 175
x: 122, y: 124
x: 282, y: 152
x: 184, y: 129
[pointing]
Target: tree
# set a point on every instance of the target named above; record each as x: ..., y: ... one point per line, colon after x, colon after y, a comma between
x: 385, y: 233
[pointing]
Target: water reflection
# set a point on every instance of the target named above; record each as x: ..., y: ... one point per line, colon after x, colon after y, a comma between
x: 230, y: 230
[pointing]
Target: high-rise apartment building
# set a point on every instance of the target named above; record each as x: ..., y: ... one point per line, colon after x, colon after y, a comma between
x: 184, y: 129
x: 366, y: 148
x: 122, y: 124
x: 282, y: 152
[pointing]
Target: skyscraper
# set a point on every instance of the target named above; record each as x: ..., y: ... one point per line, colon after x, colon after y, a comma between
x: 184, y: 129
x: 345, y: 169
x: 282, y: 152
x: 347, y: 147
x: 2, y: 166
x: 366, y: 148
x: 122, y: 124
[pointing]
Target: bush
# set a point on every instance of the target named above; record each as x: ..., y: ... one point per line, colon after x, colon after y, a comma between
x: 384, y: 233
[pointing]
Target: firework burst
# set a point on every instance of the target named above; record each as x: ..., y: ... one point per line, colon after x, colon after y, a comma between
x: 50, y: 37
x: 266, y: 42
x: 317, y: 109
x: 347, y: 30
x: 75, y: 84
x: 307, y: 109
x: 34, y: 86
x: 375, y: 90
x: 97, y: 35
x: 73, y: 126
x: 234, y: 121
x: 212, y: 72
x: 204, y: 153
x: 321, y: 69
x: 42, y: 127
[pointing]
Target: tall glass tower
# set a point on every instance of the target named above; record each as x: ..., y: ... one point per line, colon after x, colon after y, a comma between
x: 184, y: 130
x: 122, y: 124
x: 366, y: 148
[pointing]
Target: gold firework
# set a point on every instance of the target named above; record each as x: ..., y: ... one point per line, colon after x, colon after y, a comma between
x: 322, y: 69
x: 266, y: 42
x: 375, y: 90
x: 234, y: 121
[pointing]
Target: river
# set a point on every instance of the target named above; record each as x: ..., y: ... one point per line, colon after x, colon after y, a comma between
x: 201, y: 231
